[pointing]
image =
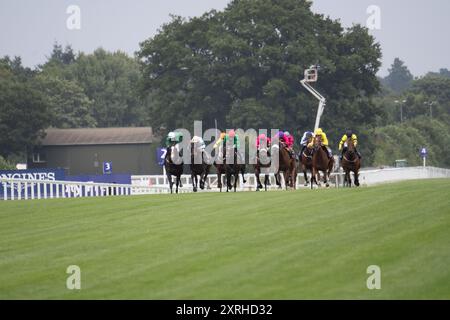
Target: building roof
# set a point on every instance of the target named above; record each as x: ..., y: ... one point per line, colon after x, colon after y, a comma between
x: 96, y: 136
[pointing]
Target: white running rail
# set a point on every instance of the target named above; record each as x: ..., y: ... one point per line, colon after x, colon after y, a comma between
x: 24, y: 189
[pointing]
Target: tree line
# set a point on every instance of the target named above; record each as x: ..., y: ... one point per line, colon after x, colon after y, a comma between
x: 239, y: 67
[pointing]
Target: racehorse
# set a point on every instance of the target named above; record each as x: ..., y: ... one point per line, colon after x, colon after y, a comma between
x: 262, y: 165
x: 199, y: 167
x: 320, y: 162
x: 174, y: 166
x: 220, y: 168
x: 306, y: 163
x: 350, y: 163
x: 233, y: 169
x: 287, y: 165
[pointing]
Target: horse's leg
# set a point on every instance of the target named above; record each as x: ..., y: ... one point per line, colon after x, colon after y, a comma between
x: 266, y: 181
x: 258, y: 182
x: 286, y: 176
x: 205, y: 176
x: 305, y: 174
x: 219, y: 180
x: 202, y: 185
x: 294, y: 179
x: 243, y: 173
x: 236, y: 177
x: 278, y: 179
x: 325, y: 178
x: 177, y: 181
x: 169, y: 178
x: 347, y: 178
x: 193, y: 178
x: 356, y: 173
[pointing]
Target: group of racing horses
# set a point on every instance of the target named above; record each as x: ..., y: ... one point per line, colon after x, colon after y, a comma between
x: 314, y: 159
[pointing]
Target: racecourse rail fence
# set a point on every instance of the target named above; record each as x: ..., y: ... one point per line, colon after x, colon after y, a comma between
x: 24, y: 189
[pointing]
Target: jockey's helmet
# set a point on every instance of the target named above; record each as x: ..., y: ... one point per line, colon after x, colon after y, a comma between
x: 171, y: 135
x: 318, y: 131
x: 262, y: 136
x: 231, y: 133
x: 309, y: 134
x: 287, y: 134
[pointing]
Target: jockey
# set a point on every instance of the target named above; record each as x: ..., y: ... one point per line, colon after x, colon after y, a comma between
x: 220, y: 140
x: 201, y: 146
x: 232, y: 135
x: 306, y: 139
x: 343, y: 143
x: 171, y: 139
x: 289, y: 140
x: 319, y: 132
x: 199, y: 143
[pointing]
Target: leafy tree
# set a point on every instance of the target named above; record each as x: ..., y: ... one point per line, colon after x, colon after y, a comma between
x: 16, y: 68
x: 24, y: 113
x: 108, y: 80
x: 243, y: 66
x: 405, y: 141
x: 69, y: 105
x: 443, y: 72
x: 399, y: 78
x: 64, y: 56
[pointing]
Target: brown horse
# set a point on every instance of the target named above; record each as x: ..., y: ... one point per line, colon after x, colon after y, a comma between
x: 350, y: 163
x: 287, y: 165
x: 262, y: 164
x: 232, y: 167
x: 174, y: 166
x: 221, y: 166
x: 199, y: 167
x: 306, y: 163
x: 320, y: 162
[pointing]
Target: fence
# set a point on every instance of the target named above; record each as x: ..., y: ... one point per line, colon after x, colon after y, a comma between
x: 366, y: 178
x: 17, y: 189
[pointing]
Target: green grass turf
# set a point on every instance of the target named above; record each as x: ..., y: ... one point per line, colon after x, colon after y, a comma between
x: 269, y: 245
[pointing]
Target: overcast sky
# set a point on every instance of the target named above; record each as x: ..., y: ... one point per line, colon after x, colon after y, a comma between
x: 414, y: 30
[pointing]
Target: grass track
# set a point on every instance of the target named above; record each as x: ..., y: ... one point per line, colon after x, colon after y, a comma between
x: 275, y: 245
